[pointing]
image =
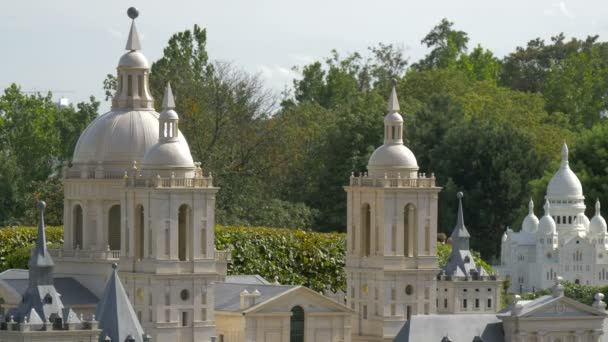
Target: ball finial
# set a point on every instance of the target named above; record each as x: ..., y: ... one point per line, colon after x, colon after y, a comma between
x: 133, y: 13
x: 41, y: 205
x: 460, y: 195
x: 114, y: 266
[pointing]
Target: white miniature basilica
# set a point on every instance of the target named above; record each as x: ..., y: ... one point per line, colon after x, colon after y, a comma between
x: 139, y: 264
x: 563, y: 242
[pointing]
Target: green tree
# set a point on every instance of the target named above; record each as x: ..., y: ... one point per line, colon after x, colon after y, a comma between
x: 446, y: 44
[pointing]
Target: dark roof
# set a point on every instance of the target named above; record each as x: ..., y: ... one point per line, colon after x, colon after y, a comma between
x: 115, y: 314
x: 228, y: 295
x: 253, y: 279
x: 71, y: 290
x: 459, y: 327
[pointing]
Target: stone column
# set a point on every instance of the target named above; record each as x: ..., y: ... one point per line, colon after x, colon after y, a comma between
x: 412, y: 231
x: 596, y: 335
x: 541, y: 336
x: 579, y: 336
x: 521, y: 336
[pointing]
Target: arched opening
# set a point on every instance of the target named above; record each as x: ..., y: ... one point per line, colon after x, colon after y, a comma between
x: 366, y: 229
x: 114, y: 228
x: 577, y: 281
x: 296, y: 329
x: 77, y: 223
x: 408, y: 313
x: 184, y: 222
x: 409, y: 230
x: 139, y: 232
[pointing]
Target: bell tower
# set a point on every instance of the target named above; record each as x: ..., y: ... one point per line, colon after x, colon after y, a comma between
x: 391, y: 261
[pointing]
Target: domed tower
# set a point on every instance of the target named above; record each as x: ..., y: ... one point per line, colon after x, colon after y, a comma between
x: 565, y: 194
x: 530, y: 223
x: 598, y: 230
x: 134, y: 196
x: 546, y: 251
x: 391, y: 261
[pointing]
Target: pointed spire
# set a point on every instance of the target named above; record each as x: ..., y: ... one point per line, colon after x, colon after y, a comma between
x: 168, y: 100
x: 116, y: 316
x: 133, y: 41
x: 393, y: 102
x: 547, y: 208
x: 460, y: 236
x: 597, y: 207
x: 531, y: 207
x: 41, y: 264
x: 564, y: 155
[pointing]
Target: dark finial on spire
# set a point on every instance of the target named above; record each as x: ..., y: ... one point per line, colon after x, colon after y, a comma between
x: 460, y: 236
x: 133, y: 13
x: 114, y: 266
x: 133, y: 40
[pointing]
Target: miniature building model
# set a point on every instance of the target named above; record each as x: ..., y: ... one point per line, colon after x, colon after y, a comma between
x: 463, y: 286
x: 134, y: 196
x: 391, y: 261
x: 563, y: 242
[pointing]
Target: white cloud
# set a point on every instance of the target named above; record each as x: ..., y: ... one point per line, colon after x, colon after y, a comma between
x: 559, y: 8
x: 277, y: 76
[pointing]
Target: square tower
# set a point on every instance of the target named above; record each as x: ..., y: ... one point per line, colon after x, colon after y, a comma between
x: 391, y: 261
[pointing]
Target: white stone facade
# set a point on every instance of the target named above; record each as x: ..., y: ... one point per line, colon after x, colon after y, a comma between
x: 563, y: 242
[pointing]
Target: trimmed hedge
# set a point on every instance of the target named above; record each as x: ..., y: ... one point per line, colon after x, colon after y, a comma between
x: 17, y: 241
x: 295, y: 256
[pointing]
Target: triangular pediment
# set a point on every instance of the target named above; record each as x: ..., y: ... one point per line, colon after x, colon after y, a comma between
x: 563, y: 307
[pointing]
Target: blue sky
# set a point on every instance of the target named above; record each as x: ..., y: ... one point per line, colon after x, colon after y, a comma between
x: 69, y: 45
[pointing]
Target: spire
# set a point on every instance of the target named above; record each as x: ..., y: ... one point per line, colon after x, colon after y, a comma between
x: 393, y: 102
x: 597, y: 207
x: 168, y: 100
x: 116, y: 316
x: 460, y: 236
x: 564, y: 155
x: 133, y: 41
x: 547, y: 208
x: 41, y: 264
x: 531, y: 207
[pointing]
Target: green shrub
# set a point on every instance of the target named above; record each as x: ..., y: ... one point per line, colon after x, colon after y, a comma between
x: 581, y: 293
x: 295, y: 256
x: 16, y: 240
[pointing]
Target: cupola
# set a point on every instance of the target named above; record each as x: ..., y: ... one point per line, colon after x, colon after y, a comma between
x: 132, y: 89
x: 547, y: 226
x: 393, y: 157
x: 564, y: 183
x: 530, y: 223
x: 597, y: 226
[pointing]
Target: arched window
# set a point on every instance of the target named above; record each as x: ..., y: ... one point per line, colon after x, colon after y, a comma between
x: 184, y: 223
x: 114, y: 228
x: 409, y: 230
x: 366, y: 229
x: 139, y: 232
x: 77, y: 224
x: 296, y: 330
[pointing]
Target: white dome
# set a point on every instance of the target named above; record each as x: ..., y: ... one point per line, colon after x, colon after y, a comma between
x: 393, y: 118
x: 392, y: 156
x: 530, y: 223
x: 133, y: 59
x: 168, y: 155
x: 169, y: 114
x: 546, y: 226
x: 564, y: 182
x: 597, y: 225
x: 119, y: 138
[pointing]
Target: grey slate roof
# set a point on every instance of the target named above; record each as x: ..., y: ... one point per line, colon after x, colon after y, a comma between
x: 40, y: 295
x: 71, y: 290
x: 253, y: 279
x: 458, y: 327
x: 461, y: 262
x: 228, y: 295
x: 115, y: 314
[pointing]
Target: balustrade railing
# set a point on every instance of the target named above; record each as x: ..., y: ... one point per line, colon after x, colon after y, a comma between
x: 223, y: 255
x: 421, y: 182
